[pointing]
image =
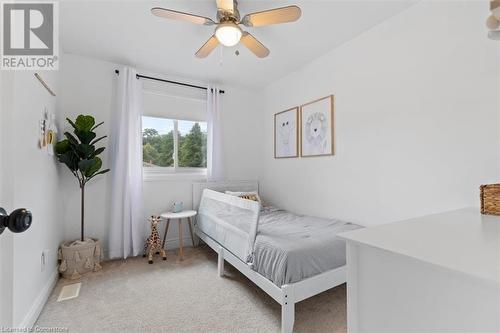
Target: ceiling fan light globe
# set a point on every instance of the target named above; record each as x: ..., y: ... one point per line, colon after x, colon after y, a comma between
x: 228, y: 34
x: 492, y: 23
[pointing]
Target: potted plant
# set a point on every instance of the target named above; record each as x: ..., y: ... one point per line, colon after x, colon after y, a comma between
x: 79, y: 153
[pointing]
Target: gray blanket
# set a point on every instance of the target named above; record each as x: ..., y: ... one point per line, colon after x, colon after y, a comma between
x: 290, y: 248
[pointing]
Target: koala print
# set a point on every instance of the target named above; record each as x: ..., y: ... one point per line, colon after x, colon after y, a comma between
x: 286, y: 129
x: 285, y: 132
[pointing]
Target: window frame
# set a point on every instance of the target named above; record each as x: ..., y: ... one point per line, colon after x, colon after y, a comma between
x: 174, y: 172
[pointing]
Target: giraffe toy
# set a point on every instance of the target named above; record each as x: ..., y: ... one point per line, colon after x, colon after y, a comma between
x: 153, y: 243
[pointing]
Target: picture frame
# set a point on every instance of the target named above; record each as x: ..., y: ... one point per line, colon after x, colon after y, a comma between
x: 286, y: 133
x: 317, y: 131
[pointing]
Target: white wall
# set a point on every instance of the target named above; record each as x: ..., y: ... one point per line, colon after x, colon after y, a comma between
x: 417, y: 119
x: 498, y: 95
x: 87, y: 87
x: 30, y: 180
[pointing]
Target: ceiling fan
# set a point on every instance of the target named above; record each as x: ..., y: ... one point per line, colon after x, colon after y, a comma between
x: 228, y: 31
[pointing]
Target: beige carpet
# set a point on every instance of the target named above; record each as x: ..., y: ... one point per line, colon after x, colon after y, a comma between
x: 183, y: 296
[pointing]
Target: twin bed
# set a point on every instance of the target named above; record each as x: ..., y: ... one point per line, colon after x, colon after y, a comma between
x: 290, y: 257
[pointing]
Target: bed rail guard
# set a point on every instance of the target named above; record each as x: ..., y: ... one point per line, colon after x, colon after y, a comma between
x: 250, y: 208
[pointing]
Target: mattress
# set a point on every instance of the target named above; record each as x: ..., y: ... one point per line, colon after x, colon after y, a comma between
x: 290, y: 247
x: 287, y: 247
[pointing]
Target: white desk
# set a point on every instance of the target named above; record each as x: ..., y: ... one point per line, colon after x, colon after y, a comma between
x: 431, y: 274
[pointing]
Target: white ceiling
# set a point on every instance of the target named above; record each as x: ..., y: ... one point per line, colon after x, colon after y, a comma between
x: 126, y: 32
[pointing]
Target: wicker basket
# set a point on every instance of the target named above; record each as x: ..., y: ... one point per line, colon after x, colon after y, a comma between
x: 490, y: 199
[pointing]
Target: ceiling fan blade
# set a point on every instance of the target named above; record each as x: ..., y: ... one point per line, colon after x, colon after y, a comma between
x: 254, y: 45
x: 272, y: 16
x: 175, y: 15
x: 207, y: 48
x: 225, y: 5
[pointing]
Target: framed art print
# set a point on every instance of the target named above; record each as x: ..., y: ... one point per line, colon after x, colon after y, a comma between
x: 317, y: 130
x: 286, y: 133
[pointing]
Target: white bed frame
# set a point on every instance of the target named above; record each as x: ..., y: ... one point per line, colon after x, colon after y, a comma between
x: 288, y: 294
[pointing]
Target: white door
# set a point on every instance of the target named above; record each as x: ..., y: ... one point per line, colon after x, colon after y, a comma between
x: 3, y: 320
x: 6, y: 277
x: 6, y: 199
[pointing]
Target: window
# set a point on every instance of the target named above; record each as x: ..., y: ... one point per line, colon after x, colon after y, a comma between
x: 157, y: 142
x: 171, y: 145
x: 174, y: 132
x: 192, y: 144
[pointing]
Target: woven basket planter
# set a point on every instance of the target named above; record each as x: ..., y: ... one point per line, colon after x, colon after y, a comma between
x: 78, y: 258
x: 490, y: 199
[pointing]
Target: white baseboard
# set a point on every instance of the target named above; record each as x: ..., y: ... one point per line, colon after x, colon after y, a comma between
x: 35, y: 310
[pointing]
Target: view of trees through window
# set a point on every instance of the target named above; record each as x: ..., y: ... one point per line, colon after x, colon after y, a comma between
x: 159, y: 144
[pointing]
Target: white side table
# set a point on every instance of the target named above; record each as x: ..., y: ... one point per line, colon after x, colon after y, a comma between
x: 187, y: 214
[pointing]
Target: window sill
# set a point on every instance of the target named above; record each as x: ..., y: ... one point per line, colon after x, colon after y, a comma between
x: 174, y: 177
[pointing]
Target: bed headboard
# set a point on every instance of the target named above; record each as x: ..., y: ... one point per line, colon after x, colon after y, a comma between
x: 231, y: 185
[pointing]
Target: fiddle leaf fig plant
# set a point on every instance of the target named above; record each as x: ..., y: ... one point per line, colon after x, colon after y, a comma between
x: 79, y: 153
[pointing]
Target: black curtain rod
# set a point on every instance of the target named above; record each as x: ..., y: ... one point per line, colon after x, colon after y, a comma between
x: 168, y: 81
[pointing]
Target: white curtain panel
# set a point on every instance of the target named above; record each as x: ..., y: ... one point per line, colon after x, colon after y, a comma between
x: 126, y: 236
x: 215, y: 169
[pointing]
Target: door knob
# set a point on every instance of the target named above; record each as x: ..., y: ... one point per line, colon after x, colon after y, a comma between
x: 18, y: 221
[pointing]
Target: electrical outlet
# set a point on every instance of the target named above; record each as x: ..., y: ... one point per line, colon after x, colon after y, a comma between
x: 44, y: 258
x: 42, y: 261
